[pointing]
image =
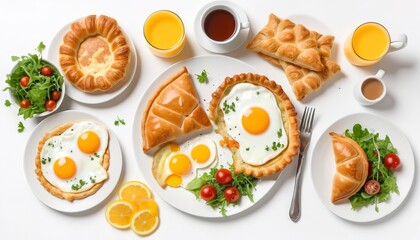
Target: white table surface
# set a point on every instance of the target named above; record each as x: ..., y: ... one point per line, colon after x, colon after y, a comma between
x: 24, y: 23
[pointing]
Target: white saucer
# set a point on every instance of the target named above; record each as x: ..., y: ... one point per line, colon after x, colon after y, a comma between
x: 207, y: 44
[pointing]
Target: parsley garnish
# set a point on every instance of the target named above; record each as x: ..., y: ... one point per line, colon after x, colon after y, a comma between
x: 21, y: 127
x: 118, y: 121
x: 279, y: 133
x: 247, y: 148
x: 78, y: 186
x: 227, y: 108
x: 92, y: 180
x: 202, y: 78
x: 267, y: 148
x: 7, y: 103
x: 258, y: 93
x: 97, y: 155
x: 43, y: 161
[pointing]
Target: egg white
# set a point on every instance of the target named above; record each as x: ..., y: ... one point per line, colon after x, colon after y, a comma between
x: 89, y: 170
x: 255, y: 149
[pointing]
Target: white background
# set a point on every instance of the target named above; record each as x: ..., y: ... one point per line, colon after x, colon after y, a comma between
x: 23, y: 24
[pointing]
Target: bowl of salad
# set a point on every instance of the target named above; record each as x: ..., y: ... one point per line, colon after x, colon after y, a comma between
x: 35, y: 85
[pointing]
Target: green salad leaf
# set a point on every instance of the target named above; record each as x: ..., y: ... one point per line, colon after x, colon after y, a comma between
x: 245, y: 185
x: 203, y: 77
x: 376, y: 149
x: 21, y: 127
x: 7, y: 103
x: 39, y: 87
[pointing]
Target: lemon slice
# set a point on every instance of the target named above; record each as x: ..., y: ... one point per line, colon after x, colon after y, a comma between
x: 134, y: 192
x: 144, y: 223
x: 118, y: 213
x: 150, y: 205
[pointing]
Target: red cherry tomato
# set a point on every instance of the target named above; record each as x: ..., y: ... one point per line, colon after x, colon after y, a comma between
x: 208, y: 192
x: 24, y: 81
x: 223, y: 176
x: 372, y: 187
x: 55, y: 95
x: 25, y: 103
x: 231, y: 194
x: 50, y: 105
x: 46, y: 71
x: 392, y: 161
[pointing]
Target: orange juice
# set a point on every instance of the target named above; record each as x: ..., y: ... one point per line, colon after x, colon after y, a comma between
x: 367, y: 44
x: 165, y: 33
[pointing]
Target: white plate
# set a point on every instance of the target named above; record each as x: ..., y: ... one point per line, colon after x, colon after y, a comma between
x: 218, y: 67
x: 207, y: 44
x: 96, y: 97
x: 50, y: 200
x: 323, y: 167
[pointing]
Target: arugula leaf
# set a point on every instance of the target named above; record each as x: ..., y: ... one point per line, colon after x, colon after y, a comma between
x: 203, y: 77
x: 40, y: 47
x: 21, y: 127
x: 7, y: 103
x: 15, y: 58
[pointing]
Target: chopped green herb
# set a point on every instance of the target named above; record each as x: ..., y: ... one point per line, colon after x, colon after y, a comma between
x: 43, y: 161
x: 7, y: 103
x: 267, y: 148
x: 92, y: 180
x: 227, y: 108
x: 96, y: 155
x: 119, y: 121
x: 258, y: 93
x: 78, y: 186
x: 50, y: 144
x: 279, y: 133
x: 237, y: 98
x: 49, y: 159
x: 21, y: 127
x: 202, y: 78
x: 247, y: 149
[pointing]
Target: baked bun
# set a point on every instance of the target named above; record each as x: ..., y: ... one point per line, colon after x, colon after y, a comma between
x: 174, y: 110
x: 94, y: 54
x: 283, y: 108
x: 351, y: 167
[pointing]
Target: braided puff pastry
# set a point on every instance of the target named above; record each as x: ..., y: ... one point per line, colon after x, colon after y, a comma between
x: 173, y: 111
x: 352, y: 167
x: 288, y: 117
x: 94, y: 54
x: 284, y: 40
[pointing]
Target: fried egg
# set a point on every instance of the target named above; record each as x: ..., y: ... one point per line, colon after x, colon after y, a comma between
x: 253, y: 119
x: 72, y: 161
x: 176, y: 165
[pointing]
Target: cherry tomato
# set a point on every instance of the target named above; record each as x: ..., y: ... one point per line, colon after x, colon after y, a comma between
x: 392, y: 161
x: 223, y: 176
x: 46, y: 71
x: 231, y: 194
x: 55, y: 95
x: 25, y: 103
x: 24, y: 81
x: 208, y: 192
x: 50, y: 105
x: 372, y: 187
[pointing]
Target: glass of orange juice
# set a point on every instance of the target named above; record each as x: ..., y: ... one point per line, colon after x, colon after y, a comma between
x: 370, y: 42
x: 165, y: 33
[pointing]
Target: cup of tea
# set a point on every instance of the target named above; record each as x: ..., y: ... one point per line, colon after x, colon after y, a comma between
x: 165, y: 33
x: 221, y: 24
x: 370, y: 42
x: 371, y: 89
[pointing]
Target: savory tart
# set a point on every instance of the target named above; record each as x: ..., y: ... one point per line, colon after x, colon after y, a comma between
x: 94, y: 54
x: 258, y: 123
x: 72, y: 160
x: 174, y: 110
x: 352, y: 167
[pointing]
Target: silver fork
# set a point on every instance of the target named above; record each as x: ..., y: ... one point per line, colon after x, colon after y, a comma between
x: 305, y: 137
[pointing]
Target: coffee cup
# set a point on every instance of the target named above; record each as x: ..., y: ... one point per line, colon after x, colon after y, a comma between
x: 370, y: 42
x: 371, y: 89
x: 221, y: 24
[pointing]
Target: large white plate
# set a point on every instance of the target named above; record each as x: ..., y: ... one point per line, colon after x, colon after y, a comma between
x: 48, y: 199
x: 218, y: 67
x: 323, y: 167
x: 96, y: 97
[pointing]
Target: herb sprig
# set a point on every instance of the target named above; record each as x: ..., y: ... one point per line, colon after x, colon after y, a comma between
x: 203, y: 77
x: 119, y: 121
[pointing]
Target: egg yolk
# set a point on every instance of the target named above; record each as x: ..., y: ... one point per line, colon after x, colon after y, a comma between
x: 180, y: 164
x: 200, y: 153
x: 255, y: 120
x: 88, y: 142
x: 64, y: 168
x: 174, y: 180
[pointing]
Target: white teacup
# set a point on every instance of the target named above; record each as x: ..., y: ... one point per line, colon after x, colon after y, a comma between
x: 221, y: 24
x: 371, y: 89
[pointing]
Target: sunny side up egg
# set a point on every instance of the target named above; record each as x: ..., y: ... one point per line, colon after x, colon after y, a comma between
x: 176, y: 165
x: 253, y: 119
x: 72, y: 161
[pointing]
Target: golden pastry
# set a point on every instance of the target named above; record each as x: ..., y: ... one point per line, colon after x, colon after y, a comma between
x: 174, y: 110
x: 94, y: 54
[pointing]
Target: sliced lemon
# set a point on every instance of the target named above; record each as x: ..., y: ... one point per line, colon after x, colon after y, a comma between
x: 149, y: 204
x: 144, y: 223
x: 118, y: 213
x: 134, y: 192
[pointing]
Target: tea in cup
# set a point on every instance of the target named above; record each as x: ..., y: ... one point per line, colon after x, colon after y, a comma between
x: 370, y: 42
x: 165, y: 34
x: 221, y: 24
x: 371, y: 89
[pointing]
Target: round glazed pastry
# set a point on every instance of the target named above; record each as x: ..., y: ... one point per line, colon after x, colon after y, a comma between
x: 94, y: 54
